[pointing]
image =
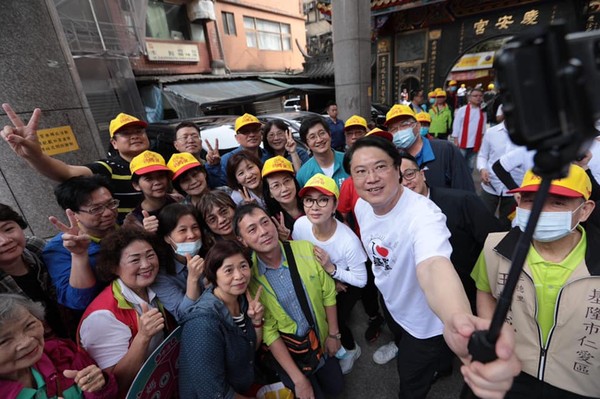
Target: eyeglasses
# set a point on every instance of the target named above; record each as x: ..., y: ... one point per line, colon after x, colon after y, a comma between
x: 402, y: 125
x: 187, y: 137
x: 321, y: 201
x: 247, y: 132
x: 99, y: 209
x: 355, y: 133
x: 272, y: 135
x: 277, y: 186
x: 319, y: 135
x: 409, y: 174
x: 379, y: 170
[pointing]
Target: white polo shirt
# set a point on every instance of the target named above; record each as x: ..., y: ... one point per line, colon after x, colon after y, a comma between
x: 413, y: 231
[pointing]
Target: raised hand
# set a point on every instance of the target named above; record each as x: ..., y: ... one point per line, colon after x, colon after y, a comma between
x: 246, y: 197
x: 22, y: 138
x: 89, y: 379
x: 195, y: 266
x: 282, y: 231
x: 74, y: 240
x: 151, y: 321
x: 212, y: 157
x: 255, y: 308
x: 290, y: 143
x: 324, y: 260
x: 150, y: 223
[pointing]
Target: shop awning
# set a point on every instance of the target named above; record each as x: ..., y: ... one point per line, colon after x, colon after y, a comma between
x: 225, y: 93
x: 473, y: 61
x: 193, y: 99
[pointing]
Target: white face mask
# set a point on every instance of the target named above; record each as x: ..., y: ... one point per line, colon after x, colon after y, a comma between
x: 404, y: 138
x: 551, y: 226
x: 191, y: 248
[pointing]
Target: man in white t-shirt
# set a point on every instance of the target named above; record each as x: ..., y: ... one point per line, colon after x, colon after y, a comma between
x: 406, y: 238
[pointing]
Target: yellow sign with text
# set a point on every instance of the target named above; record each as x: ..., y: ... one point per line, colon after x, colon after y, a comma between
x: 57, y: 140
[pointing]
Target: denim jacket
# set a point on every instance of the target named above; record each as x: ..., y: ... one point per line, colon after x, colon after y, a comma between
x: 217, y: 357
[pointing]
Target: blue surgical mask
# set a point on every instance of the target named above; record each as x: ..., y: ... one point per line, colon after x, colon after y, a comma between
x: 404, y: 138
x: 551, y: 226
x: 452, y: 89
x: 432, y: 101
x: 424, y: 130
x: 185, y: 248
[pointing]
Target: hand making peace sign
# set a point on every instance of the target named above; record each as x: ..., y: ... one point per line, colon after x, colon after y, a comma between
x: 74, y: 240
x: 290, y: 143
x: 22, y: 138
x: 255, y: 308
x: 212, y: 157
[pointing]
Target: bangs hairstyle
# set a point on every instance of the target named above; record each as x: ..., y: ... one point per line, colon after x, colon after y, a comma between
x: 10, y: 304
x: 408, y: 157
x: 7, y: 214
x: 280, y: 124
x: 372, y: 141
x: 177, y: 182
x: 311, y: 121
x: 275, y: 207
x: 217, y: 255
x: 234, y: 161
x: 111, y: 249
x: 169, y: 216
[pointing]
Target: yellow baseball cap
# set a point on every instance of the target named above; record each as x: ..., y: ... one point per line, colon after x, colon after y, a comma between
x: 321, y: 183
x: 576, y: 184
x: 356, y: 120
x: 147, y: 162
x: 452, y: 83
x: 123, y: 120
x: 431, y: 94
x: 440, y: 93
x: 424, y: 117
x: 398, y: 110
x: 246, y: 120
x: 277, y: 164
x: 491, y: 86
x: 182, y: 162
x: 381, y: 133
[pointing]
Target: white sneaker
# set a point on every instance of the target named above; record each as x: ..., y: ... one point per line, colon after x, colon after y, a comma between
x: 385, y: 353
x: 347, y: 362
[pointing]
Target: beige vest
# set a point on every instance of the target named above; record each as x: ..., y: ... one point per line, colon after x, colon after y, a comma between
x: 571, y: 360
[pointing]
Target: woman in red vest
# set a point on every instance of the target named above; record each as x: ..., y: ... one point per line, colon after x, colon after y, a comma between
x: 125, y: 322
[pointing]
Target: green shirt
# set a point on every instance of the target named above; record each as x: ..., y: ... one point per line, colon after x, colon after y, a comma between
x: 73, y: 392
x: 548, y: 279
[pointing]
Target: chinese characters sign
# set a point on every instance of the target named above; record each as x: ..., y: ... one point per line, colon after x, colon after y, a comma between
x: 57, y: 140
x: 505, y: 22
x: 176, y: 52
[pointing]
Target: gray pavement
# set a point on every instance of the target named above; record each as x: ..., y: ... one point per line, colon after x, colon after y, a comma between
x: 370, y: 380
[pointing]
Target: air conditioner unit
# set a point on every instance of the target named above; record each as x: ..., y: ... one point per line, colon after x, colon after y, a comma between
x: 201, y: 9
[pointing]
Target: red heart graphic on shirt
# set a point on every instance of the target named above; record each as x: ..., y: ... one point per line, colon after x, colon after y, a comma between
x: 382, y: 251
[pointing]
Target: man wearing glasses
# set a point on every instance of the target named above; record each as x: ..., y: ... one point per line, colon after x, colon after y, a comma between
x: 443, y: 164
x: 249, y: 137
x: 188, y: 139
x: 314, y: 132
x: 127, y: 137
x: 70, y: 256
x: 406, y: 238
x: 355, y: 128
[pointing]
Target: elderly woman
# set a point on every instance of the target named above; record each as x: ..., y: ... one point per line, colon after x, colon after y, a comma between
x: 222, y: 330
x: 22, y: 270
x: 33, y: 368
x: 125, y: 322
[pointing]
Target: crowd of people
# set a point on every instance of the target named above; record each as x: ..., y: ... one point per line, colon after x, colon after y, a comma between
x: 261, y: 254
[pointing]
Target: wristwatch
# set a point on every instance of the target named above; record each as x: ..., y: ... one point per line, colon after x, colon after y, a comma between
x: 337, y: 336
